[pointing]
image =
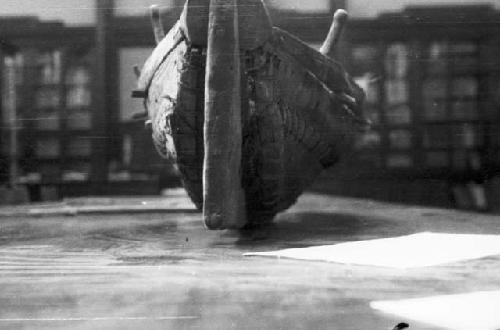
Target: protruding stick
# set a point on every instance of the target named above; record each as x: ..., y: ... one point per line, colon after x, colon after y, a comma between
x: 339, y: 21
x: 158, y: 30
x: 137, y: 71
x: 223, y: 204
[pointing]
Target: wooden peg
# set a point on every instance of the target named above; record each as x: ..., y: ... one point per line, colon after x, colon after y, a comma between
x: 339, y: 22
x: 137, y: 71
x: 159, y: 32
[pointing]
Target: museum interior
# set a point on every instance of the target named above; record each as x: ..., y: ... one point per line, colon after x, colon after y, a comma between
x: 430, y: 70
x: 247, y: 229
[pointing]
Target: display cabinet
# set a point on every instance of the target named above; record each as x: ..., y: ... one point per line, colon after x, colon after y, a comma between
x: 430, y: 90
x: 54, y: 114
x: 8, y: 129
x: 53, y: 108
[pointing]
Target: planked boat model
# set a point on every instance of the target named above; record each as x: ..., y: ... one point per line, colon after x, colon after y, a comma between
x: 250, y: 114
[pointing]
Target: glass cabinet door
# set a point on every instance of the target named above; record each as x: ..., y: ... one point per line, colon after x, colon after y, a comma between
x: 365, y: 68
x: 54, y: 113
x: 451, y: 111
x: 397, y: 107
x: 77, y: 115
x: 382, y: 70
x: 39, y: 73
x: 442, y: 82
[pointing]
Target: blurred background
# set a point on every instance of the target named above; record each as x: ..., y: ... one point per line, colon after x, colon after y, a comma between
x: 430, y: 68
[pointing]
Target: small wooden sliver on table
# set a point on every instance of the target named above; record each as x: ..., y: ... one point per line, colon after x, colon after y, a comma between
x: 250, y: 113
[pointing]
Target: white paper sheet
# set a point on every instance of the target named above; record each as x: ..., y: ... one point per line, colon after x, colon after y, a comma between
x: 417, y: 250
x: 472, y: 311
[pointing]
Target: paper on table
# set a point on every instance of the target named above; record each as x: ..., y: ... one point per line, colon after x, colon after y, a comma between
x: 478, y: 310
x: 417, y: 250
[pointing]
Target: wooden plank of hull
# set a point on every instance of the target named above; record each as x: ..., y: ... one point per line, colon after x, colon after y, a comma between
x: 160, y: 53
x: 188, y: 122
x: 255, y: 26
x: 175, y: 106
x: 309, y: 132
x: 328, y: 71
x: 311, y: 107
x: 162, y: 100
x: 223, y: 195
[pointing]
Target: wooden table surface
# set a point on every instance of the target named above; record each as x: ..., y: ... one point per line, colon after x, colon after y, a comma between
x: 165, y: 271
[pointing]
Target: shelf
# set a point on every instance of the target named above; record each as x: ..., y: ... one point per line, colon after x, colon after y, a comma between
x: 69, y: 158
x: 449, y: 149
x: 45, y: 133
x: 77, y: 132
x: 48, y: 160
x: 48, y: 109
x: 42, y: 85
x: 451, y: 122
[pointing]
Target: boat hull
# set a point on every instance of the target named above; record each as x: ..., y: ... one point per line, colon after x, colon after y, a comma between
x: 293, y: 127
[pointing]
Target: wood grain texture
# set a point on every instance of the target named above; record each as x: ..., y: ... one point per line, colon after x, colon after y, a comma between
x: 330, y: 72
x: 254, y: 28
x: 154, y: 271
x: 223, y: 195
x: 159, y: 55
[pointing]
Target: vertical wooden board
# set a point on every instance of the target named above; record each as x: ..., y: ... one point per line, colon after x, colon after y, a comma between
x: 194, y: 21
x: 255, y: 26
x: 223, y: 194
x: 254, y: 23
